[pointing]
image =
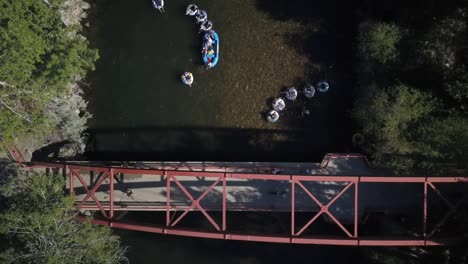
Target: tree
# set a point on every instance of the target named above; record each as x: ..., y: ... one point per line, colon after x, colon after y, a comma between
x: 440, y: 45
x: 387, y: 119
x: 378, y: 42
x: 39, y: 57
x: 39, y: 227
x: 406, y: 131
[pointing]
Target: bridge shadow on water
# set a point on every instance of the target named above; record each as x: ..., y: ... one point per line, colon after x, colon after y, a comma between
x: 209, y: 144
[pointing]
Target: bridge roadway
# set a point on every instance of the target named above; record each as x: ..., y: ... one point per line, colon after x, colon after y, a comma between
x: 342, y: 189
x: 140, y: 192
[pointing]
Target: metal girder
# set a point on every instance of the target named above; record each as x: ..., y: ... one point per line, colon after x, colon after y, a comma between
x: 324, y: 209
x: 427, y: 238
x: 196, y: 202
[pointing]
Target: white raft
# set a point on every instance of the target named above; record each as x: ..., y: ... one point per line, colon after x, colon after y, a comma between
x: 191, y: 10
x: 291, y: 94
x: 278, y: 104
x: 309, y: 91
x: 187, y: 78
x: 206, y: 25
x: 272, y: 116
x: 322, y: 86
x: 201, y: 16
x: 159, y: 5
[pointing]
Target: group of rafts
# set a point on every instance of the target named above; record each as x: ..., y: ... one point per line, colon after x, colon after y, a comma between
x: 291, y: 94
x: 210, y: 49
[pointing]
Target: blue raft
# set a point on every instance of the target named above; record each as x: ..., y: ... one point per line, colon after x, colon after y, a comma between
x: 210, y: 52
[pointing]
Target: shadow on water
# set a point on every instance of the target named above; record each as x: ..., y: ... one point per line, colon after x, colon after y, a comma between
x: 206, y: 144
x: 327, y: 39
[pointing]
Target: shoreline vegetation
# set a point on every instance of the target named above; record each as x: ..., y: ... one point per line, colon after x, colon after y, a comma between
x: 412, y: 92
x: 45, y: 59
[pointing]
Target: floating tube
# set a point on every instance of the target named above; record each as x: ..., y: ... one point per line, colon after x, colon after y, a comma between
x: 210, y: 50
x: 309, y: 91
x: 322, y: 86
x: 191, y: 10
x: 278, y: 104
x: 159, y: 5
x: 272, y: 116
x: 201, y: 16
x: 206, y: 25
x: 291, y: 94
x: 187, y: 78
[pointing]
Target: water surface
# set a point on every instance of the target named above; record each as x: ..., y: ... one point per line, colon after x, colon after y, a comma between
x: 142, y: 110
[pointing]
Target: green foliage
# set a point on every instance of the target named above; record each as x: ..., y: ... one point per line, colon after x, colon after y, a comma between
x: 388, y: 120
x: 405, y: 128
x: 405, y: 131
x: 68, y: 114
x: 38, y: 59
x: 39, y: 227
x: 378, y: 42
x: 441, y: 43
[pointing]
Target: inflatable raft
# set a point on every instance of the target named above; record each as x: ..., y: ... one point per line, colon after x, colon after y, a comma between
x: 323, y: 86
x: 159, y: 5
x: 206, y: 25
x: 201, y: 16
x: 272, y: 116
x: 191, y: 10
x: 309, y: 91
x: 291, y: 94
x: 278, y: 104
x: 187, y: 78
x: 210, y: 51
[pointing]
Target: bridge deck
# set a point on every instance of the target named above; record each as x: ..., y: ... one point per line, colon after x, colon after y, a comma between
x: 339, y: 190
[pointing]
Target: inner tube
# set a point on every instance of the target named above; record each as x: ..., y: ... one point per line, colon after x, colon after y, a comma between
x: 158, y: 4
x: 206, y: 25
x: 291, y: 94
x: 201, y: 16
x: 191, y: 10
x: 187, y: 78
x: 309, y: 91
x: 278, y: 104
x: 272, y: 116
x: 322, y: 86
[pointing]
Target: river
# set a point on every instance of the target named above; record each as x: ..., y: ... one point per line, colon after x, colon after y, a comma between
x: 142, y: 111
x: 151, y: 248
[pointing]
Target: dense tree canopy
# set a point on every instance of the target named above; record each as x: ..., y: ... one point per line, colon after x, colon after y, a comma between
x: 38, y: 226
x: 39, y: 57
x: 378, y: 42
x: 413, y: 112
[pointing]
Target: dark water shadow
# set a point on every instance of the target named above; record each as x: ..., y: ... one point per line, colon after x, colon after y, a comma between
x: 327, y: 40
x: 207, y: 144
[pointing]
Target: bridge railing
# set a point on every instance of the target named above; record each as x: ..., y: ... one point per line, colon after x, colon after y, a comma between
x: 174, y: 178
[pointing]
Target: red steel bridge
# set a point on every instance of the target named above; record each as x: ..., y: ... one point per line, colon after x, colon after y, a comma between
x: 212, y: 193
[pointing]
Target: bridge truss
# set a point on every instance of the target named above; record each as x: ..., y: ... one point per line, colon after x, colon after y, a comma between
x: 221, y: 177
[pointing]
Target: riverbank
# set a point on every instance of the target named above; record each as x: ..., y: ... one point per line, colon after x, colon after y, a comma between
x: 58, y: 131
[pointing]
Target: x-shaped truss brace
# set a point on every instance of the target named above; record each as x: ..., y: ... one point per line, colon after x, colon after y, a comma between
x: 195, y: 202
x: 90, y: 193
x: 453, y: 209
x: 324, y: 209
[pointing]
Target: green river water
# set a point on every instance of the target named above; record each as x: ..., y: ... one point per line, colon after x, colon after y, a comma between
x: 142, y: 111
